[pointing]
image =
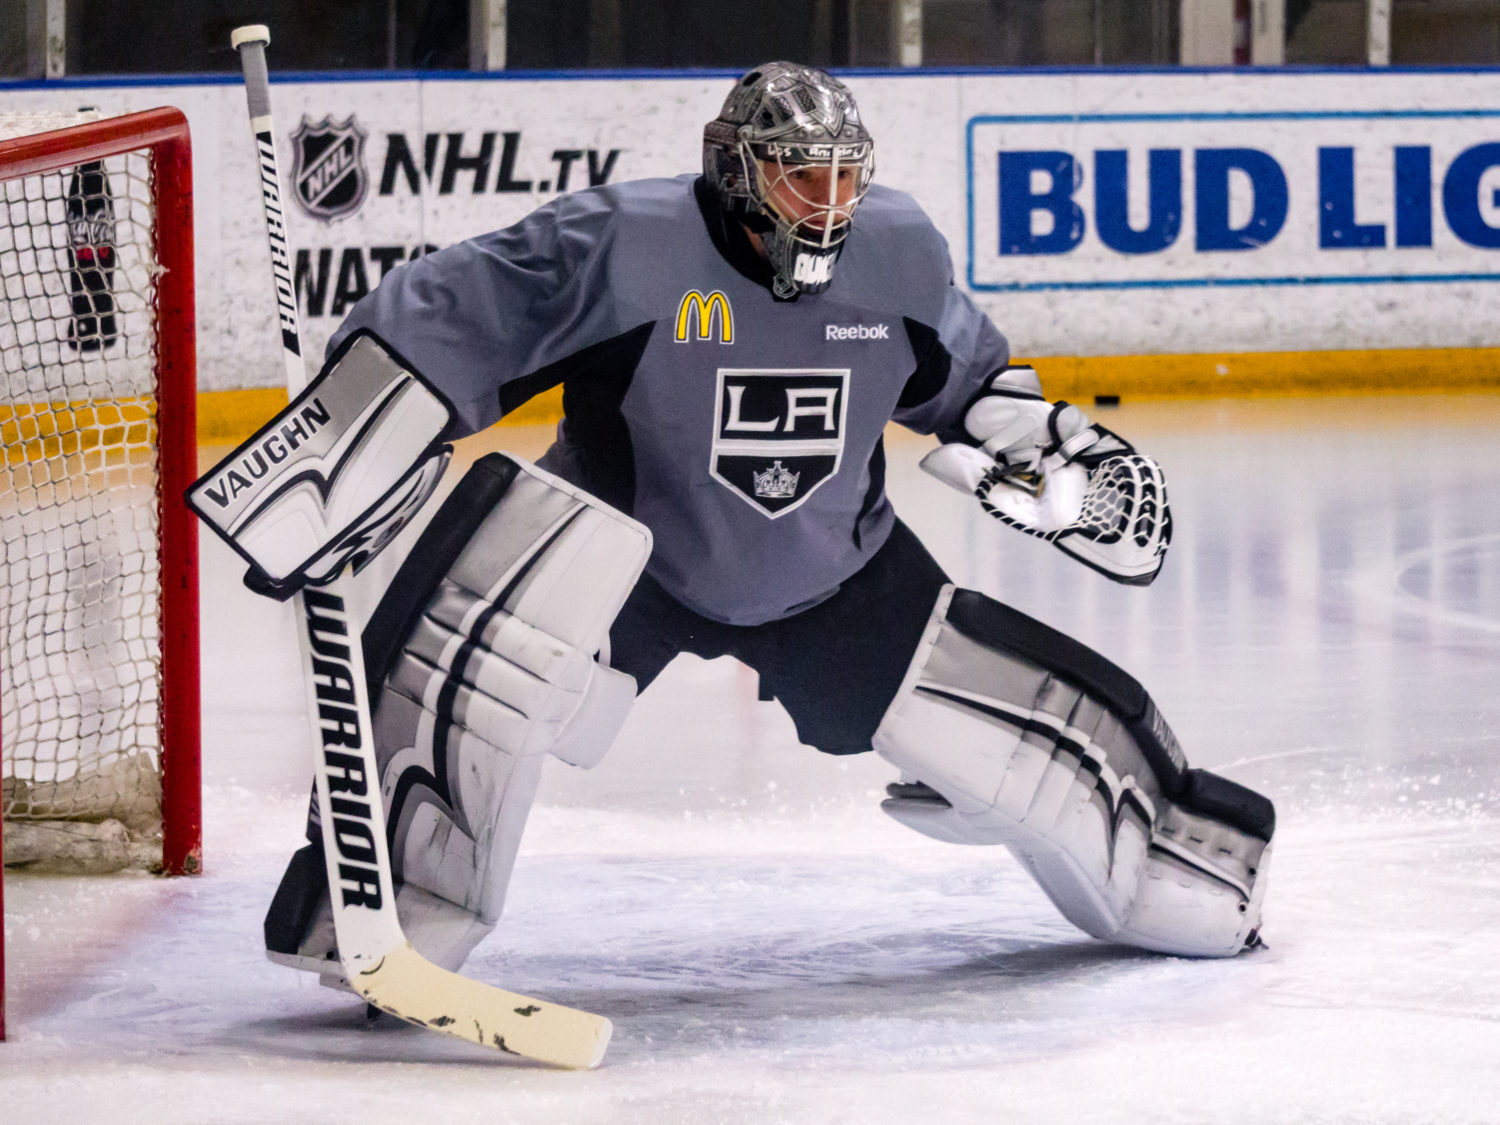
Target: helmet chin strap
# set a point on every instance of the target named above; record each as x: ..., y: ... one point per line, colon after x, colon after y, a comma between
x: 782, y: 287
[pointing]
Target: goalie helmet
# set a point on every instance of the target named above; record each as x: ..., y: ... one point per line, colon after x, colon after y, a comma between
x: 765, y: 155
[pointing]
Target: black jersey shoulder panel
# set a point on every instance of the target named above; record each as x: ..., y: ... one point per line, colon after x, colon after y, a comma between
x: 934, y: 364
x: 623, y: 349
x: 595, y: 382
x: 874, y: 493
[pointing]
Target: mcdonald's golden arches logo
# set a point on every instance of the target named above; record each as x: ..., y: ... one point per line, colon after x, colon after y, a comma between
x: 706, y: 307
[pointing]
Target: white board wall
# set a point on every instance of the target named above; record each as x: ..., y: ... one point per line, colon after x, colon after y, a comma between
x: 1091, y: 213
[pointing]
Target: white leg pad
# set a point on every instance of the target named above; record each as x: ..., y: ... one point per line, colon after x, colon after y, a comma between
x: 500, y: 671
x: 491, y: 631
x: 1084, y: 785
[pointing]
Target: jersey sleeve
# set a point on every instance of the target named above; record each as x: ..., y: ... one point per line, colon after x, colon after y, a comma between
x: 954, y: 358
x: 476, y: 319
x: 956, y: 347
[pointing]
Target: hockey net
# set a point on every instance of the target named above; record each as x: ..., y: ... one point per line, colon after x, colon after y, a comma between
x: 98, y: 556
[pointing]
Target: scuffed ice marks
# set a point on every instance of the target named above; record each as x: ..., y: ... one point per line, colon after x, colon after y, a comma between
x: 772, y: 949
x: 840, y: 958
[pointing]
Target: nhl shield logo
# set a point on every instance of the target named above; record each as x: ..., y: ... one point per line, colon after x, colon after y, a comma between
x: 778, y: 435
x: 329, y: 179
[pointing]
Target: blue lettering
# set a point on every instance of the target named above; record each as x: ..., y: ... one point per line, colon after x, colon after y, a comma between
x: 1112, y: 201
x: 1336, y: 226
x: 1413, y: 195
x: 1461, y: 195
x: 1211, y: 168
x: 1018, y: 203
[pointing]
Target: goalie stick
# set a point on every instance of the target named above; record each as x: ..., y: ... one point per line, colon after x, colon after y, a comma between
x: 379, y: 962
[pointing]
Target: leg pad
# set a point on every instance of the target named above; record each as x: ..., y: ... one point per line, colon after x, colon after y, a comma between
x: 483, y: 660
x: 1023, y: 737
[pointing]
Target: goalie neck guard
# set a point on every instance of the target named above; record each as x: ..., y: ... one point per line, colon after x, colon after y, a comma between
x: 790, y: 159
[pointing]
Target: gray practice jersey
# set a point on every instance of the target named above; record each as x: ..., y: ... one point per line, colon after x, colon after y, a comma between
x: 743, y: 430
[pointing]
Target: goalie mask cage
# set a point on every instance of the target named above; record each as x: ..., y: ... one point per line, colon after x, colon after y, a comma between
x: 99, y: 704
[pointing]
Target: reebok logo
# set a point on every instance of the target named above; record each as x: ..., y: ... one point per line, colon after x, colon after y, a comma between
x: 857, y: 332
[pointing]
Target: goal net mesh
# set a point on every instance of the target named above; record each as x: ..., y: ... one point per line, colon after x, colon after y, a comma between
x: 80, y: 658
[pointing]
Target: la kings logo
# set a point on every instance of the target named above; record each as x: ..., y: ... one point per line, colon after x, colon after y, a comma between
x: 330, y: 179
x: 778, y: 435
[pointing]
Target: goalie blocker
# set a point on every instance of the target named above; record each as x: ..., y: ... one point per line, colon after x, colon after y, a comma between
x: 335, y: 476
x: 481, y: 660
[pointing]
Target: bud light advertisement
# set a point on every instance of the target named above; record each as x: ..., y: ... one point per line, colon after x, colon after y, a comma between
x: 1172, y: 200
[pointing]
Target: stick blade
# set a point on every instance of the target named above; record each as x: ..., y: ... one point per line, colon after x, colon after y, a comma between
x: 407, y: 985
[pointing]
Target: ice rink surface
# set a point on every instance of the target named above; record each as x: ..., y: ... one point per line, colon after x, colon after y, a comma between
x: 772, y: 949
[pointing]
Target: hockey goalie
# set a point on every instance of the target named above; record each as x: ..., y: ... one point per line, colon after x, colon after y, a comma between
x: 730, y: 347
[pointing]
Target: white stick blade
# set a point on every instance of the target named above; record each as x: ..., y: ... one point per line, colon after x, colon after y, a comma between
x: 406, y: 984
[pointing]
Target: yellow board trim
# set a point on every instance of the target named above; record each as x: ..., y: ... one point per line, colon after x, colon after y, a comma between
x: 33, y: 432
x: 229, y: 417
x: 1240, y: 374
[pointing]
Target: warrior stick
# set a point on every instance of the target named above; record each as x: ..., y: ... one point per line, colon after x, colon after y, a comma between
x: 380, y: 963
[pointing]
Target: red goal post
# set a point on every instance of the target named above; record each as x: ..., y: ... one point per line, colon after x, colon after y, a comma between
x: 71, y: 432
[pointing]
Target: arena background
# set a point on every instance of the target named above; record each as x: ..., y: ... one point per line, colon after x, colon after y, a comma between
x: 1136, y: 231
x: 771, y: 947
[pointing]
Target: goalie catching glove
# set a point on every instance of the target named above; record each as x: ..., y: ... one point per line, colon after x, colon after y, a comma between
x: 1045, y: 469
x: 331, y: 479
